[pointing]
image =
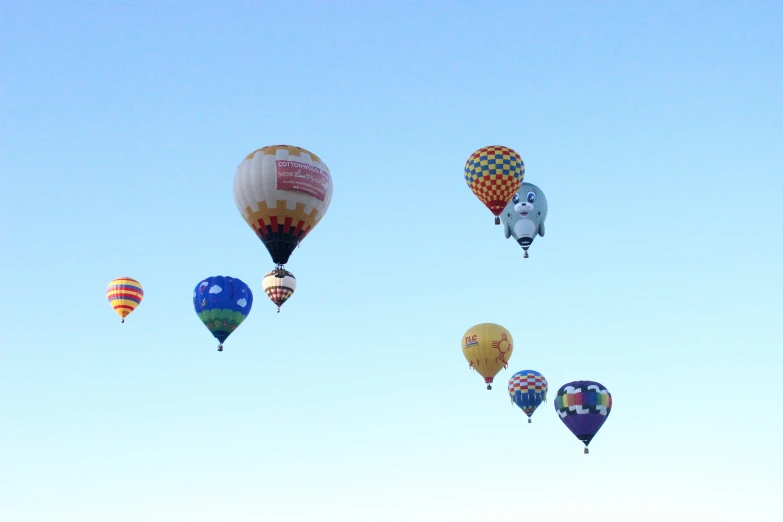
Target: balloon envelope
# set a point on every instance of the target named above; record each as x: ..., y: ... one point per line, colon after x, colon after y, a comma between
x: 524, y: 216
x: 527, y: 390
x: 487, y: 347
x: 583, y: 406
x: 124, y: 295
x: 222, y: 304
x: 279, y: 289
x: 282, y: 192
x: 494, y: 174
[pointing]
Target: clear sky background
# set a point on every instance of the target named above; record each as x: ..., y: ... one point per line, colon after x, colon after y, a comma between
x: 655, y: 130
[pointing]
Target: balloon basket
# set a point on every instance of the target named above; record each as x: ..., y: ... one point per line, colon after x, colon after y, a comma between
x: 529, y: 421
x: 587, y: 451
x: 497, y: 220
x: 489, y: 386
x: 220, y: 347
x: 122, y: 321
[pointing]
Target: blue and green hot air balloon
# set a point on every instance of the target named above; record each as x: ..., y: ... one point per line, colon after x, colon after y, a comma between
x: 527, y: 390
x: 222, y: 303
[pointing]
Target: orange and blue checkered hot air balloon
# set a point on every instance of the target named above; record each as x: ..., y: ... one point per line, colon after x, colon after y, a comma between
x: 494, y: 174
x: 527, y: 390
x: 124, y: 295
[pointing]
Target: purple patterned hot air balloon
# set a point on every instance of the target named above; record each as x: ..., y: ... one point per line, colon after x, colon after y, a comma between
x: 583, y: 406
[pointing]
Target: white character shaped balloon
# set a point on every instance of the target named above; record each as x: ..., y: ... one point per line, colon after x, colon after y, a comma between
x: 524, y: 216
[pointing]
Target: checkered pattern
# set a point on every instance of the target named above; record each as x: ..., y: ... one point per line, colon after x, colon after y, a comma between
x: 494, y: 174
x: 527, y: 390
x: 527, y: 381
x: 292, y: 150
x: 583, y: 399
x: 279, y: 294
x: 279, y: 289
x: 281, y: 228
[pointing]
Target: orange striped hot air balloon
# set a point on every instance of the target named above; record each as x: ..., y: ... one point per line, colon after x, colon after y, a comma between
x: 124, y: 295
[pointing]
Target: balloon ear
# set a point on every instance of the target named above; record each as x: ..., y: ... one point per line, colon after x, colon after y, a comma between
x: 540, y: 230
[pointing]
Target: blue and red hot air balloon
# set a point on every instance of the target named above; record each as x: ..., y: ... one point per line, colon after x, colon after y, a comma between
x: 527, y: 390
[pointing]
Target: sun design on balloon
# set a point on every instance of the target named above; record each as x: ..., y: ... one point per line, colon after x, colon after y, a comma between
x: 499, y: 345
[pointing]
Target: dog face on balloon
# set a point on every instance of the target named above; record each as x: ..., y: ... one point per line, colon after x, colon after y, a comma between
x: 523, y: 217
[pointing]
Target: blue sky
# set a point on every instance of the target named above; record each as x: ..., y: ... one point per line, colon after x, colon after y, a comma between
x: 654, y: 129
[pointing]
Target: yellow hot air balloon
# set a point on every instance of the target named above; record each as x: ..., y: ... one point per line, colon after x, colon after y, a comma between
x: 124, y: 295
x: 487, y: 347
x: 282, y: 192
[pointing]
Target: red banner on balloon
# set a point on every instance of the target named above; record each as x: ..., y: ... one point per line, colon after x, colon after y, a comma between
x: 302, y: 177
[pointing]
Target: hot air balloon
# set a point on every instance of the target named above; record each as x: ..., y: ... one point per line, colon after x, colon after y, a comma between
x: 487, y: 347
x: 282, y: 192
x: 583, y: 406
x: 524, y: 216
x: 222, y: 303
x: 494, y: 174
x: 279, y: 289
x: 527, y: 390
x: 124, y: 295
